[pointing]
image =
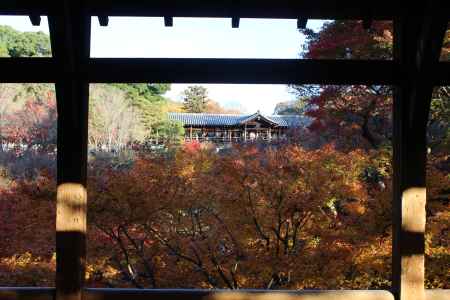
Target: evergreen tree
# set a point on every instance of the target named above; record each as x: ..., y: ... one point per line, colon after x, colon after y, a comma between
x: 195, y: 99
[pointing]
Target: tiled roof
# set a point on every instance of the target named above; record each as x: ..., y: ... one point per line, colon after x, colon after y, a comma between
x: 203, y: 119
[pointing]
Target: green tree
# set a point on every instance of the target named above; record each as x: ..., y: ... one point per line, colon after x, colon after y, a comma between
x: 169, y: 131
x: 148, y: 99
x: 14, y: 43
x: 195, y: 99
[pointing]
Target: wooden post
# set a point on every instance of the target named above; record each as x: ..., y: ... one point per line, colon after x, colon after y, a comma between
x: 190, y: 133
x: 70, y: 37
x: 245, y: 133
x: 417, y: 47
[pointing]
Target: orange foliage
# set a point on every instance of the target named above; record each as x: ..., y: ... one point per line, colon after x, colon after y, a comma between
x: 247, y: 218
x: 253, y: 217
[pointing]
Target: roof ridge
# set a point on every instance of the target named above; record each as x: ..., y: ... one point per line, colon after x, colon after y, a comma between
x: 210, y: 114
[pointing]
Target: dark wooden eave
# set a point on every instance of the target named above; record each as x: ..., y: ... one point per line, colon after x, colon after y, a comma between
x: 288, y: 9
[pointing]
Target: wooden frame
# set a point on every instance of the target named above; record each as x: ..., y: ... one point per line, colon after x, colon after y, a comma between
x: 419, y: 29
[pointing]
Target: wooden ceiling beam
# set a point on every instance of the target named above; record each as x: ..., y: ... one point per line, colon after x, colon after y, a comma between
x: 215, y: 71
x: 103, y: 20
x: 276, y: 71
x: 35, y: 19
x: 290, y: 9
x: 34, y: 70
x: 185, y: 70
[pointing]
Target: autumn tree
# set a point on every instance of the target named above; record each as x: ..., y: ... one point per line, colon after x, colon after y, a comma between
x: 214, y: 107
x: 244, y: 219
x: 113, y: 122
x: 359, y: 117
x: 354, y: 116
x: 28, y: 130
x: 195, y: 99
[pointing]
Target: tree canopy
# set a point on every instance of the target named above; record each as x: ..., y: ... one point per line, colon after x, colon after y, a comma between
x: 195, y: 99
x: 355, y: 116
x: 14, y: 43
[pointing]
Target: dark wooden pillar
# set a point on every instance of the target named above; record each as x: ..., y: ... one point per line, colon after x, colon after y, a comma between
x: 70, y: 35
x: 418, y: 39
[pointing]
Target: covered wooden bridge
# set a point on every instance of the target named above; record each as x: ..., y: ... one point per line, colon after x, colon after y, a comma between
x: 414, y: 71
x: 227, y: 128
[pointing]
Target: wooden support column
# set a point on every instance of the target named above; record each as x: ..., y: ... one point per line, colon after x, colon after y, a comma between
x: 418, y: 39
x: 70, y: 36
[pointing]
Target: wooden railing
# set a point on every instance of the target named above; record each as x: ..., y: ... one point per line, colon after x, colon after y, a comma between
x: 218, y: 139
x: 195, y: 294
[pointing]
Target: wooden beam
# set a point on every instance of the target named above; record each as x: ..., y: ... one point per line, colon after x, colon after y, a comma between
x: 235, y: 22
x: 23, y: 70
x: 25, y: 7
x: 417, y: 47
x: 35, y: 19
x: 180, y: 70
x: 167, y: 70
x: 437, y: 294
x: 290, y: 9
x: 195, y: 294
x: 168, y: 21
x: 302, y: 22
x: 36, y: 293
x: 287, y: 9
x: 241, y: 71
x: 103, y: 20
x: 70, y: 48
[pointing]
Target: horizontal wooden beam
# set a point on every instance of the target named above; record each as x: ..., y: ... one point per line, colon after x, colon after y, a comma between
x: 22, y: 293
x: 290, y: 9
x: 133, y: 294
x: 25, y: 7
x: 437, y: 294
x: 21, y: 70
x: 275, y: 71
x: 269, y: 71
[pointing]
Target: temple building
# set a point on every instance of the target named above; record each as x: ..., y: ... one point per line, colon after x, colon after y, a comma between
x: 229, y: 128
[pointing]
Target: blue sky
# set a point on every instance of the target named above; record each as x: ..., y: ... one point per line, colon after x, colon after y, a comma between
x: 196, y: 38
